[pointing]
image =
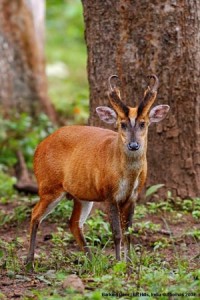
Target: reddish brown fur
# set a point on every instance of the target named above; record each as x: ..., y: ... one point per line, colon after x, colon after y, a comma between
x: 64, y: 162
x: 94, y: 164
x: 86, y: 162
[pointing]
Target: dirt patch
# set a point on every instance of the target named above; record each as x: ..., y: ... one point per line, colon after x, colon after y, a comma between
x: 18, y: 287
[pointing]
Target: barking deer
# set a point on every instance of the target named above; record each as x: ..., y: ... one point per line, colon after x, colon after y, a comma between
x: 91, y: 164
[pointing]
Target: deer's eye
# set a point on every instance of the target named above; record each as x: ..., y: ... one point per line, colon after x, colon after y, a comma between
x: 142, y: 125
x: 123, y: 125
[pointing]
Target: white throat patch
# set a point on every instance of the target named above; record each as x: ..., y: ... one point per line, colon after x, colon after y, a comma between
x: 122, y: 190
x: 134, y: 192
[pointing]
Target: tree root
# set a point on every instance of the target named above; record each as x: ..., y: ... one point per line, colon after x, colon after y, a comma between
x: 24, y: 182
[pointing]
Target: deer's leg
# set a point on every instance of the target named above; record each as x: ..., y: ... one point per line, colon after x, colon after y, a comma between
x: 126, y: 214
x: 40, y: 211
x: 116, y: 228
x: 79, y: 215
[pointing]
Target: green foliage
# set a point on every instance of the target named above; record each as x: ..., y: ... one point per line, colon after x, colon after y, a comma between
x: 155, y: 207
x: 140, y: 212
x: 175, y: 206
x: 16, y: 216
x: 142, y: 226
x: 98, y: 231
x: 98, y: 266
x: 8, y: 257
x: 196, y: 214
x: 153, y: 189
x: 120, y: 268
x: 66, y: 59
x: 62, y: 211
x: 160, y: 244
x: 195, y: 232
x: 148, y: 273
x: 191, y: 205
x: 22, y: 133
x: 6, y: 184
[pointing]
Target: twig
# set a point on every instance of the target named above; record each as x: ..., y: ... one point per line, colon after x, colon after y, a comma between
x: 196, y: 256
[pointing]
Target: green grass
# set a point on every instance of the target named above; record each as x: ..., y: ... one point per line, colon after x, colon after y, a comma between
x: 149, y: 275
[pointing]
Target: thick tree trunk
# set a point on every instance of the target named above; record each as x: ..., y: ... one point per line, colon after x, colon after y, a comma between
x: 22, y: 62
x: 136, y: 38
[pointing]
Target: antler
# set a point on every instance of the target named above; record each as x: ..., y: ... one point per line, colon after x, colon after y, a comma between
x: 156, y: 82
x: 115, y: 99
x: 149, y: 96
x: 109, y: 82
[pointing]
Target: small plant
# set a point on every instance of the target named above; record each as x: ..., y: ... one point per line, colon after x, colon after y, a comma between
x: 196, y: 214
x: 98, y: 266
x: 196, y: 208
x: 61, y: 238
x: 8, y: 257
x: 187, y: 205
x: 153, y: 189
x: 161, y: 244
x: 98, y: 230
x: 62, y: 211
x: 155, y: 207
x: 194, y: 233
x: 18, y: 215
x: 140, y: 212
x: 120, y: 268
x: 141, y: 227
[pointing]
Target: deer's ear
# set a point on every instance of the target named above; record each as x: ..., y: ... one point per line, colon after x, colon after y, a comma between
x: 106, y: 114
x: 158, y: 113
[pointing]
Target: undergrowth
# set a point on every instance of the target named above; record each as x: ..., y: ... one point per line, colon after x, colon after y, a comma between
x: 159, y: 266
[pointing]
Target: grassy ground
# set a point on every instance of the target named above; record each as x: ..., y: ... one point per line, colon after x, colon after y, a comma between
x: 165, y: 255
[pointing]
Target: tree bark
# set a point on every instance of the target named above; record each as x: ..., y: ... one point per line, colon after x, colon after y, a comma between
x: 137, y: 38
x: 22, y: 61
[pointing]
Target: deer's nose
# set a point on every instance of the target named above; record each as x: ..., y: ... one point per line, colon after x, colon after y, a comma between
x: 133, y: 146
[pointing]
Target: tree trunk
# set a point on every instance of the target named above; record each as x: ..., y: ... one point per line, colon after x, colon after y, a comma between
x: 22, y: 62
x: 137, y: 38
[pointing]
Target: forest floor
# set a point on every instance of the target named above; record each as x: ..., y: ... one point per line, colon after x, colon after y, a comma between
x: 165, y: 259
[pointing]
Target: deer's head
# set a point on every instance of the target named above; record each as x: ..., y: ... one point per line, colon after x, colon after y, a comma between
x: 133, y: 122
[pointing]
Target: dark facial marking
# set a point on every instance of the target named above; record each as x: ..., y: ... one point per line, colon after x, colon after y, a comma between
x: 149, y: 95
x: 142, y: 125
x: 123, y: 125
x: 115, y: 98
